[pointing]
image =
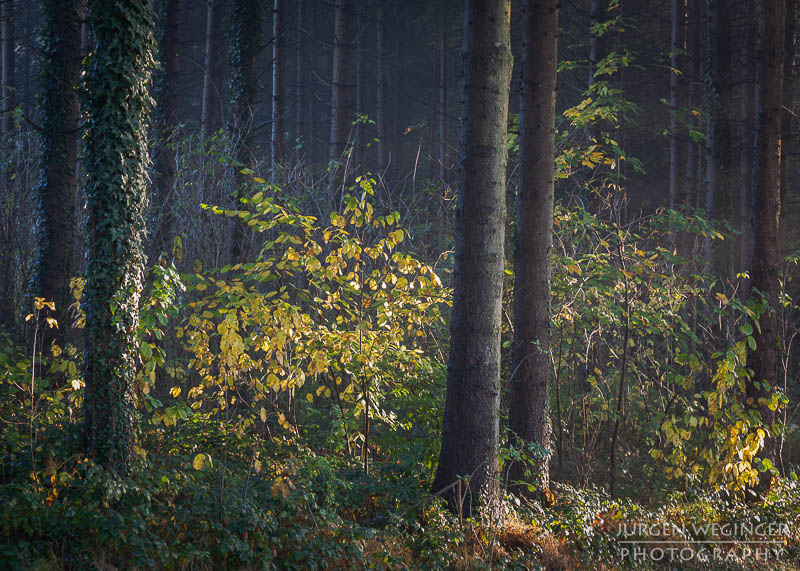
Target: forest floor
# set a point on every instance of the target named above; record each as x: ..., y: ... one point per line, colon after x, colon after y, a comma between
x: 297, y: 509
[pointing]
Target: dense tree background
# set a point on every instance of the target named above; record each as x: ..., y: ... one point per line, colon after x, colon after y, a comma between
x: 313, y: 283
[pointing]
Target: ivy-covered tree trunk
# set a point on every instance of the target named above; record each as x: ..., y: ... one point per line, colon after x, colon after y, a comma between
x: 528, y: 416
x: 168, y: 124
x: 278, y: 83
x: 342, y: 94
x: 766, y: 206
x: 245, y: 22
x: 118, y: 106
x: 471, y: 416
x: 213, y: 75
x: 61, y: 68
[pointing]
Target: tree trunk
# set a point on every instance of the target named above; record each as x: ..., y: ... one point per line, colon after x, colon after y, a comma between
x: 300, y: 85
x: 7, y: 53
x: 597, y: 13
x: 694, y: 47
x: 717, y: 96
x: 747, y: 134
x: 766, y: 206
x: 8, y: 278
x: 117, y: 100
x: 168, y: 110
x: 790, y: 43
x: 471, y: 416
x: 278, y: 84
x: 359, y: 94
x: 443, y: 110
x: 528, y: 416
x: 245, y: 30
x: 678, y: 140
x: 342, y: 96
x: 61, y: 68
x: 380, y: 71
x: 27, y: 87
x: 213, y: 75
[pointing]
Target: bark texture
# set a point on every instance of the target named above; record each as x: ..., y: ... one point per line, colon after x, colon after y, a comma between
x: 678, y: 141
x: 380, y: 96
x: 300, y: 101
x: 61, y: 51
x: 718, y: 137
x: 278, y: 83
x: 343, y: 94
x: 8, y: 278
x: 168, y: 111
x: 766, y: 203
x: 7, y: 55
x: 214, y: 74
x: 471, y: 417
x: 530, y: 351
x: 694, y: 48
x: 443, y: 107
x: 243, y: 47
x: 747, y: 134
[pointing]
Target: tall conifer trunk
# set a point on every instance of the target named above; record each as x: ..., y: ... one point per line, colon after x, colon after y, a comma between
x: 766, y: 206
x: 443, y: 103
x: 694, y: 48
x: 717, y: 97
x: 678, y: 142
x: 278, y: 83
x: 168, y: 115
x: 342, y: 96
x: 300, y: 88
x: 747, y: 135
x: 380, y: 98
x: 530, y: 351
x: 213, y: 76
x: 8, y: 278
x: 245, y: 23
x: 471, y: 416
x: 61, y: 69
x: 7, y: 54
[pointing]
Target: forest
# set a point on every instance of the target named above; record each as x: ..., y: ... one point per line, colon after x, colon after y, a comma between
x: 354, y: 284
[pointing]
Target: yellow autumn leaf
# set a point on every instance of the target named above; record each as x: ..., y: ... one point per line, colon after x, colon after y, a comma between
x: 199, y: 462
